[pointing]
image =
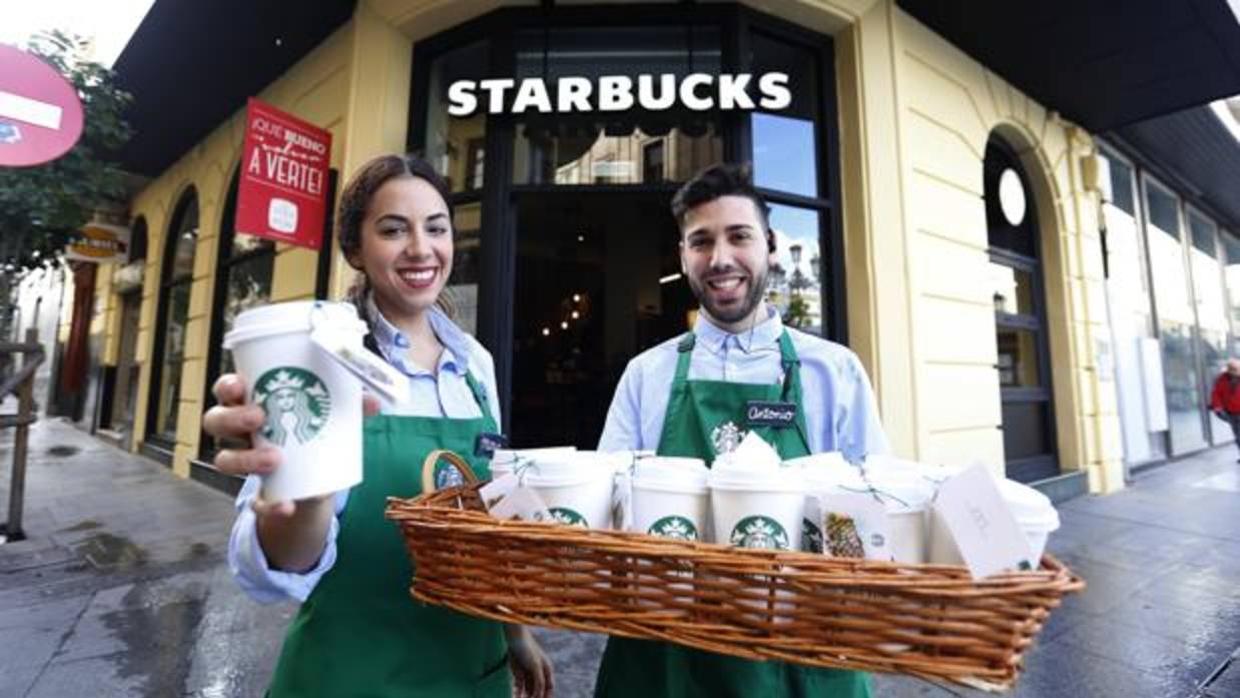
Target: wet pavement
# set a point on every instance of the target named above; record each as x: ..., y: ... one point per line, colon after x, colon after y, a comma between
x: 121, y: 588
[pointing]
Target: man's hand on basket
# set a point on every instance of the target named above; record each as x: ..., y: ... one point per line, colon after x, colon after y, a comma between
x: 532, y: 673
x: 237, y: 421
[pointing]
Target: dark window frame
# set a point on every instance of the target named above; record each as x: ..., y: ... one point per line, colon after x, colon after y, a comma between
x: 499, y: 196
x: 166, y: 285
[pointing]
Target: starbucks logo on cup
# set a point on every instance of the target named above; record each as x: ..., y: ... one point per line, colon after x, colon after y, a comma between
x: 676, y: 527
x: 761, y: 532
x: 569, y: 517
x: 296, y: 402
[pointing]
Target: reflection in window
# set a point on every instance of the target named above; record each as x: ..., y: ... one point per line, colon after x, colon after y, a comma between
x: 559, y: 153
x: 1011, y: 290
x: 178, y: 278
x: 652, y: 162
x: 1163, y: 209
x: 784, y: 154
x: 1018, y: 357
x: 454, y: 145
x: 796, y: 278
x: 1121, y: 185
x: 1231, y: 249
x: 460, y: 296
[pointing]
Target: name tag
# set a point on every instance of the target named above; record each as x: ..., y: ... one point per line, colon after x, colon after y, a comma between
x: 759, y: 413
x: 485, y: 444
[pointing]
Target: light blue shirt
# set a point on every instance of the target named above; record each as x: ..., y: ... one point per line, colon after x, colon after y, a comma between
x: 445, y: 393
x: 840, y: 412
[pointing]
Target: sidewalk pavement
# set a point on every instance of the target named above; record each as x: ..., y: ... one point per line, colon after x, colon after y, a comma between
x: 121, y: 588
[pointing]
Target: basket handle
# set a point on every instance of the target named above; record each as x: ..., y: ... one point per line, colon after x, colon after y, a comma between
x: 433, y: 458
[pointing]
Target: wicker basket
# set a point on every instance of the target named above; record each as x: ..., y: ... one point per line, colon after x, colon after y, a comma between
x: 930, y: 621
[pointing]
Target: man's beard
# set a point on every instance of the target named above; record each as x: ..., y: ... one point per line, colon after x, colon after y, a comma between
x: 736, y: 313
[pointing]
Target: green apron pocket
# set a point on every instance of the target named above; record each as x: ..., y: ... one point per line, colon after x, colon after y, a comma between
x: 495, y: 683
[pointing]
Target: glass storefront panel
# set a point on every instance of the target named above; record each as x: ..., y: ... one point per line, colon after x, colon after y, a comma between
x: 1212, y: 322
x: 1131, y: 316
x: 623, y: 153
x: 597, y: 282
x: 460, y: 296
x: 456, y: 146
x: 1185, y: 410
x: 608, y: 148
x: 1231, y: 274
x: 173, y: 357
x: 1011, y: 289
x: 178, y: 277
x: 1018, y: 357
x: 249, y: 286
x: 796, y: 278
x: 784, y: 146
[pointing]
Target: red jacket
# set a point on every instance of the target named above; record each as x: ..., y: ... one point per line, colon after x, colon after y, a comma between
x: 1225, y: 397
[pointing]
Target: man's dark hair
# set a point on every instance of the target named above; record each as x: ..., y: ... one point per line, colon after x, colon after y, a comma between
x: 714, y: 182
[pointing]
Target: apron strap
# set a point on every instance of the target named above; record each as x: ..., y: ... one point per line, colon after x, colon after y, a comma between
x: 484, y: 403
x: 792, y: 384
x: 685, y: 349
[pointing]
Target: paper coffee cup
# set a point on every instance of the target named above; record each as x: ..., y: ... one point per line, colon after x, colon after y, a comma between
x: 576, y: 487
x: 313, y: 405
x: 670, y: 498
x: 824, y: 474
x: 758, y: 508
x: 906, y: 496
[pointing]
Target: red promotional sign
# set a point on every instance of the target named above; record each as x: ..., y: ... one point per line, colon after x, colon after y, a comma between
x: 283, y: 189
x: 40, y: 113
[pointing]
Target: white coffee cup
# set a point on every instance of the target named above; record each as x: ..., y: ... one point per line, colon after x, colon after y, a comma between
x: 906, y: 496
x: 670, y: 498
x: 575, y: 486
x: 824, y: 474
x: 757, y: 507
x: 313, y: 404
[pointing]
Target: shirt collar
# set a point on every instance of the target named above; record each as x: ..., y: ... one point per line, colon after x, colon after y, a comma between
x: 762, y: 336
x: 393, y: 342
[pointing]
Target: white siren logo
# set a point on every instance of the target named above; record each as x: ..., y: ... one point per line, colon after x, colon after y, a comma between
x: 726, y: 437
x: 675, y: 527
x: 567, y: 516
x: 296, y: 402
x: 759, y: 532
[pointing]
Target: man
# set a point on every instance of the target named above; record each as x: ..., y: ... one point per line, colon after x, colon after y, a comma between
x: 1225, y: 398
x: 689, y: 397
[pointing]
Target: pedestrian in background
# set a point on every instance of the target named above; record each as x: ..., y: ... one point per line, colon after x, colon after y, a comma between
x: 1225, y: 398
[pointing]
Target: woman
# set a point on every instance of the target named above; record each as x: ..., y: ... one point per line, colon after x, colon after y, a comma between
x: 358, y: 632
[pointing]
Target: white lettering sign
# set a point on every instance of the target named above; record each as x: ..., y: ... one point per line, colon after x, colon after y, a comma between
x: 615, y: 93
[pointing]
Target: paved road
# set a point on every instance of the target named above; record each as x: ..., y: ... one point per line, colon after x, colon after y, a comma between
x: 121, y: 588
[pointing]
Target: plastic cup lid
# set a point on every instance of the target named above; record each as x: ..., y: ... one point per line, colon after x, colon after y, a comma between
x: 566, y: 468
x: 294, y: 316
x: 679, y: 472
x: 758, y: 479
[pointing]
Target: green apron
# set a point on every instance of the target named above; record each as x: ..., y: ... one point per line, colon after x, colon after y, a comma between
x: 360, y: 633
x: 697, y: 412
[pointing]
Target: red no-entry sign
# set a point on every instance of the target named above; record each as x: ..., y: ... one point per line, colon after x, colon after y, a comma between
x: 40, y: 113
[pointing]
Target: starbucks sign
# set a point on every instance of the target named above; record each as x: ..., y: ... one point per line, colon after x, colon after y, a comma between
x: 296, y: 403
x: 618, y: 93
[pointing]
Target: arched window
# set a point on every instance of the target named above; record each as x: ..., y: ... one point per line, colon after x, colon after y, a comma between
x: 1020, y: 317
x: 242, y: 281
x: 176, y: 278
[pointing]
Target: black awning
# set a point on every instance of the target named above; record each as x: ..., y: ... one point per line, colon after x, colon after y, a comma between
x: 1100, y: 63
x: 1198, y: 151
x: 191, y: 64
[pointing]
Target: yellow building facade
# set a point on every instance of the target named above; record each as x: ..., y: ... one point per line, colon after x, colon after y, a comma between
x: 914, y: 117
